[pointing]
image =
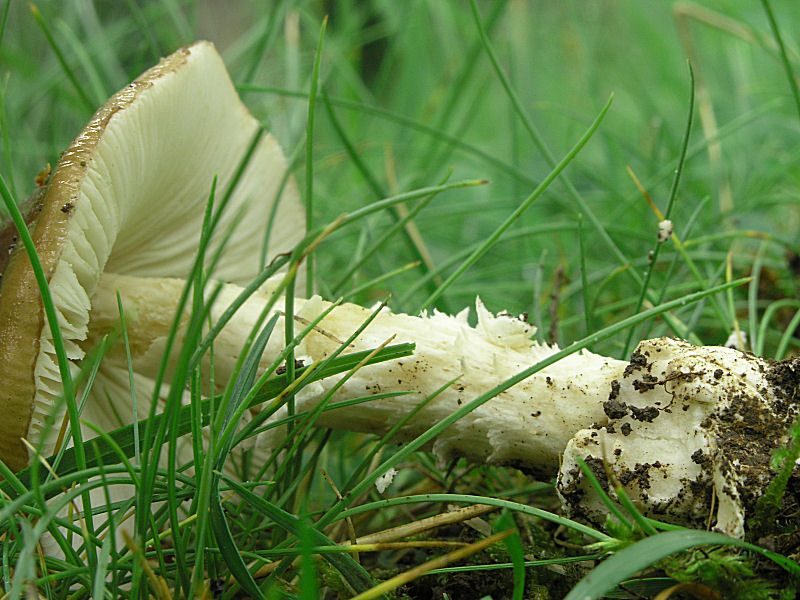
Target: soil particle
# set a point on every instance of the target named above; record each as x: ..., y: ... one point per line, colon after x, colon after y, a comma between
x: 614, y: 390
x: 638, y: 361
x: 615, y: 409
x: 785, y: 379
x: 639, y: 475
x: 298, y: 364
x: 648, y: 413
x: 598, y: 470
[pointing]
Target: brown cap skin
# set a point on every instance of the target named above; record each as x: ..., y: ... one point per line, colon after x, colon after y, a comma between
x: 21, y: 311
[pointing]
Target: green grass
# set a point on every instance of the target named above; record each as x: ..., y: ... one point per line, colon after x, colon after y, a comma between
x: 489, y: 128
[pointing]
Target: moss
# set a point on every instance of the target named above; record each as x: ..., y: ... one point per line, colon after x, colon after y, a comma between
x: 730, y: 575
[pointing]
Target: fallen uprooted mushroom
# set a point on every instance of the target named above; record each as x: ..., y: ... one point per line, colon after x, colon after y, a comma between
x: 687, y: 431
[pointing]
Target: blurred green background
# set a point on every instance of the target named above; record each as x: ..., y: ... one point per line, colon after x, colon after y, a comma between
x: 414, y: 95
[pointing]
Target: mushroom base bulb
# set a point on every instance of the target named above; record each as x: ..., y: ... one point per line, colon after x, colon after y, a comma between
x: 690, y: 436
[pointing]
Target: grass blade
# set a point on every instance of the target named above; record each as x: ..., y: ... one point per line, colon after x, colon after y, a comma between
x: 82, y: 95
x: 514, y: 546
x: 68, y: 389
x: 349, y: 568
x: 229, y: 550
x: 481, y: 250
x: 441, y: 561
x: 784, y: 57
x: 123, y: 439
x: 401, y: 222
x: 644, y: 553
x: 645, y: 288
x: 312, y: 102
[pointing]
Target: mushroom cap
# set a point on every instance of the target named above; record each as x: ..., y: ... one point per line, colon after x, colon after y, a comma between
x: 128, y: 196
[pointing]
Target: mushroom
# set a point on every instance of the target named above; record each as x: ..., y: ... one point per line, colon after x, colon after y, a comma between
x: 674, y: 425
x: 682, y: 429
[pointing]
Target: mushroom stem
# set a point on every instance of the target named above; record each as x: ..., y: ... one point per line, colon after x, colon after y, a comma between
x: 688, y: 432
x: 528, y: 425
